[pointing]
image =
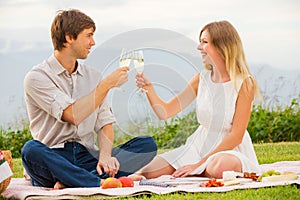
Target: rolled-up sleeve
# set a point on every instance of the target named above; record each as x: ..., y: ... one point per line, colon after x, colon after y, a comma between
x: 60, y: 103
x: 104, y: 116
x: 46, y: 95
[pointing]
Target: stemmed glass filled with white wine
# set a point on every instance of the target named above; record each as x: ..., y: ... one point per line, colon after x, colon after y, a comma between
x: 125, y: 59
x: 139, y: 64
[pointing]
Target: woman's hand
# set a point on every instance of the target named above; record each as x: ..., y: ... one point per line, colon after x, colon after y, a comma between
x: 141, y: 80
x: 185, y: 170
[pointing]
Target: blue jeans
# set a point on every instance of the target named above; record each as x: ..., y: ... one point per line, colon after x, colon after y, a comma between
x: 75, y: 166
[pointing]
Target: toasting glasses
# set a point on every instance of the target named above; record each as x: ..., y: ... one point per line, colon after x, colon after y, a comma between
x: 138, y: 58
x: 124, y: 60
x: 125, y: 57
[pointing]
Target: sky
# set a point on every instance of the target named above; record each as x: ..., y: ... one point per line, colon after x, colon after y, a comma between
x: 269, y: 30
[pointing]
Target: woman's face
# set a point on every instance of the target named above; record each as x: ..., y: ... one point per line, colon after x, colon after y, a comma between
x: 207, y: 49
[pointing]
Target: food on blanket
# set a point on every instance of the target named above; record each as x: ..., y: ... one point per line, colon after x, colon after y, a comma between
x: 212, y: 183
x: 271, y: 172
x: 126, y: 181
x: 288, y: 173
x: 232, y: 182
x: 272, y: 176
x: 268, y: 173
x: 229, y: 175
x: 232, y: 175
x: 235, y: 181
x: 251, y: 175
x: 111, y: 183
x: 283, y: 177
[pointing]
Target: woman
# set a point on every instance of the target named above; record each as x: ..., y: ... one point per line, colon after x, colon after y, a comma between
x: 224, y: 93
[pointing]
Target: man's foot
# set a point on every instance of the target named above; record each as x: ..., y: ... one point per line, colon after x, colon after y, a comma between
x: 58, y: 185
x: 26, y: 176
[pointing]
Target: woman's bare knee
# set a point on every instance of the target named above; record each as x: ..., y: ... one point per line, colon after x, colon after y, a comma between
x: 221, y: 163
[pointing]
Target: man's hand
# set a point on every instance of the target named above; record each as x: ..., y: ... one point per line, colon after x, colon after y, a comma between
x: 117, y: 77
x: 109, y: 165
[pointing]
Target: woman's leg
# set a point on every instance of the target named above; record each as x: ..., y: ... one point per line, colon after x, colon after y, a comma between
x: 157, y: 167
x: 221, y: 163
x: 134, y: 154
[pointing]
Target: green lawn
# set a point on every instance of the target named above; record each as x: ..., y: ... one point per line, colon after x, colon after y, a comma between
x: 266, y: 153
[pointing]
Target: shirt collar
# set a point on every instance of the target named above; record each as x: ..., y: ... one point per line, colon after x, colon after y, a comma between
x: 58, y: 68
x: 79, y: 69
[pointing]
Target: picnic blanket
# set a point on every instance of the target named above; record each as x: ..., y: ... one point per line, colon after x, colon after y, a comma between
x: 19, y: 188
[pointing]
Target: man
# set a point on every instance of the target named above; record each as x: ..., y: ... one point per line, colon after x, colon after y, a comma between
x: 66, y: 104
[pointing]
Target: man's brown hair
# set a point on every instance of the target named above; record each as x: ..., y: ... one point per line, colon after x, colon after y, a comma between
x: 69, y: 22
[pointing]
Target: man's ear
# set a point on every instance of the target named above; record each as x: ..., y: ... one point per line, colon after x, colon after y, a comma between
x: 69, y: 39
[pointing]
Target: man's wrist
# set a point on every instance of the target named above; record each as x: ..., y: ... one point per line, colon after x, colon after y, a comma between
x: 105, y: 85
x: 104, y: 156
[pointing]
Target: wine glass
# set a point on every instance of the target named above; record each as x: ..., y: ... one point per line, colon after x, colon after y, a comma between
x: 124, y: 60
x: 139, y: 64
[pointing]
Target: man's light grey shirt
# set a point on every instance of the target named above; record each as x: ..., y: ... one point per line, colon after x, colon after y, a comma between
x: 49, y: 89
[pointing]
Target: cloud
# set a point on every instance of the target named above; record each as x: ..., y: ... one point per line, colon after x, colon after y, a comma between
x: 261, y: 24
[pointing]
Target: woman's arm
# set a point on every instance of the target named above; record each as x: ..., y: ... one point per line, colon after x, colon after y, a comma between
x: 165, y: 110
x: 239, y: 125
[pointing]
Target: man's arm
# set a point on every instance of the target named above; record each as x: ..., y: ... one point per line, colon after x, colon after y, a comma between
x: 84, y: 106
x: 106, y: 162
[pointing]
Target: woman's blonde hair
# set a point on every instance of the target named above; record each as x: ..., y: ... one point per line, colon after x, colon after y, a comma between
x: 229, y: 45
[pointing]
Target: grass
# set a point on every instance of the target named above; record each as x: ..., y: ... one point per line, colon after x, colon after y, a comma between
x: 273, y: 152
x: 266, y: 153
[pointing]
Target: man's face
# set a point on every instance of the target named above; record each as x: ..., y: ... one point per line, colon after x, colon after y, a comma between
x: 82, y: 45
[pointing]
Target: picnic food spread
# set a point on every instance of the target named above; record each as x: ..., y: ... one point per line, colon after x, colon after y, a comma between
x: 126, y: 181
x: 111, y: 183
x: 229, y: 178
x: 117, y: 183
x: 272, y: 175
x: 268, y: 176
x: 212, y: 183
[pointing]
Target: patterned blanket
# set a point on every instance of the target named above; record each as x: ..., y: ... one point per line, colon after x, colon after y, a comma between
x: 21, y: 189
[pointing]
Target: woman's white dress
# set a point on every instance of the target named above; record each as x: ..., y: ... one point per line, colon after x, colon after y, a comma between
x: 215, y: 107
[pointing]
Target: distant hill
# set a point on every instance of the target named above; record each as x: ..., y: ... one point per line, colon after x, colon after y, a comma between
x: 278, y: 86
